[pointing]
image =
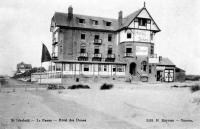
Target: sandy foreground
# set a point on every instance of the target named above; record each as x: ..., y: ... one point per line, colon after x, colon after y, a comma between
x: 126, y: 106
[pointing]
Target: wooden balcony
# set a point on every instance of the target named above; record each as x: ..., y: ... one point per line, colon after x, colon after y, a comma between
x: 98, y: 41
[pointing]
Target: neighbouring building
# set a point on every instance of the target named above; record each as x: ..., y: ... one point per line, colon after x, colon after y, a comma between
x: 180, y: 75
x: 90, y: 48
x: 23, y: 67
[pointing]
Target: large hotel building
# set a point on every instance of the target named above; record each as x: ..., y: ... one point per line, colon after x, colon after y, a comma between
x: 90, y: 48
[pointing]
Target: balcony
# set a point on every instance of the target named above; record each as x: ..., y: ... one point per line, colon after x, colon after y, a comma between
x: 110, y: 58
x: 128, y: 54
x: 83, y: 56
x: 97, y: 57
x: 98, y: 41
x: 54, y: 56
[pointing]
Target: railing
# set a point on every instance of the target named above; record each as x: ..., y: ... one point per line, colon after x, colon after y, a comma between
x: 83, y: 54
x: 128, y: 54
x: 111, y: 56
x: 97, y: 55
x: 97, y: 41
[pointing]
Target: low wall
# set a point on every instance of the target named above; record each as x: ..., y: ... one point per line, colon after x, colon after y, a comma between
x: 50, y: 80
x: 91, y: 79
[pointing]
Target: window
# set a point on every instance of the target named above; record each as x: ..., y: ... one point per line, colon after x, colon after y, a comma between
x: 128, y: 50
x: 144, y: 66
x: 96, y: 51
x: 149, y: 68
x: 83, y: 50
x: 142, y: 21
x: 95, y: 22
x: 128, y: 35
x: 82, y: 21
x: 70, y: 67
x: 114, y: 68
x: 54, y: 68
x: 61, y: 49
x: 83, y: 36
x: 151, y: 35
x: 95, y: 67
x: 96, y: 36
x: 105, y: 68
x: 148, y: 21
x: 120, y: 68
x: 136, y: 20
x: 109, y: 49
x: 152, y: 49
x: 99, y: 67
x: 86, y: 67
x: 108, y: 23
x: 109, y: 37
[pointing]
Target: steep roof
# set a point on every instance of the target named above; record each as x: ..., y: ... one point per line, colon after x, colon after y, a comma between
x: 179, y: 69
x: 61, y: 19
x: 128, y: 19
x: 166, y: 61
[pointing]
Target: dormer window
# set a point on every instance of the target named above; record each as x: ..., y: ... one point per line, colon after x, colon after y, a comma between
x: 95, y: 22
x: 82, y: 21
x: 142, y: 21
x: 108, y: 23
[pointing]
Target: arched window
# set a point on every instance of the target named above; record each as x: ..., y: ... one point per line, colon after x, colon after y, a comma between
x: 83, y: 48
x: 144, y: 66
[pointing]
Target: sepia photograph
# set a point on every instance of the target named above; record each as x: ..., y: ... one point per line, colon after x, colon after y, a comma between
x: 99, y: 64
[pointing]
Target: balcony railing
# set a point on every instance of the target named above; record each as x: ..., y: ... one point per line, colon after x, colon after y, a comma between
x: 83, y: 54
x: 153, y: 55
x: 98, y: 41
x: 128, y: 54
x: 111, y: 56
x: 97, y: 55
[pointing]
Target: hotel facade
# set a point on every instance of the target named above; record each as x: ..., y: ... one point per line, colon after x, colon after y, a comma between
x: 89, y: 48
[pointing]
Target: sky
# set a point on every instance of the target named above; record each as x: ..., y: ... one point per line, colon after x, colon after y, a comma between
x: 25, y: 25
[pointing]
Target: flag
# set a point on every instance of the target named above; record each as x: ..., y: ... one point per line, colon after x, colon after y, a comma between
x: 45, y: 54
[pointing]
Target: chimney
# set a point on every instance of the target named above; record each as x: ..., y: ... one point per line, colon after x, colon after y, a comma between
x: 120, y: 18
x: 160, y: 58
x: 70, y: 12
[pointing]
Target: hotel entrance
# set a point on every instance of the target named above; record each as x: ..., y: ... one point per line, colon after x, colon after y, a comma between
x: 169, y: 75
x: 159, y: 75
x: 132, y: 69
